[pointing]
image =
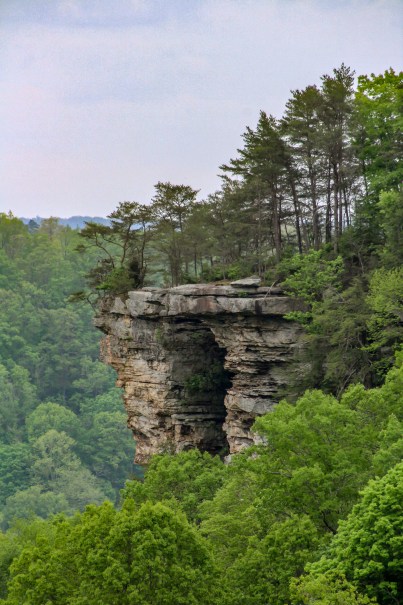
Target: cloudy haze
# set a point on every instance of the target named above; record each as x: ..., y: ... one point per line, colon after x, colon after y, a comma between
x: 101, y: 99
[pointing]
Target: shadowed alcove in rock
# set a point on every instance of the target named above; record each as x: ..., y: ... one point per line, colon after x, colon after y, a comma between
x: 199, y: 386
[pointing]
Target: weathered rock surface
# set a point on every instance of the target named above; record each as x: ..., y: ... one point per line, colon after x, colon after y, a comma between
x: 198, y: 363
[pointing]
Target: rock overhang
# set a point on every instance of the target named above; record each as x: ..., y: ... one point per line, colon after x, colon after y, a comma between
x: 161, y: 341
x: 204, y: 299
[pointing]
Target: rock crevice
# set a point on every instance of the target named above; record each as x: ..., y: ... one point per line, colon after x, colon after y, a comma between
x: 198, y: 363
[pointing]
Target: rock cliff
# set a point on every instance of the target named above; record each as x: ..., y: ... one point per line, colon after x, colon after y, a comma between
x: 198, y: 363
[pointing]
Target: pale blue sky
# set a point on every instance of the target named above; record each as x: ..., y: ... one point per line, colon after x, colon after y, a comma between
x: 101, y: 99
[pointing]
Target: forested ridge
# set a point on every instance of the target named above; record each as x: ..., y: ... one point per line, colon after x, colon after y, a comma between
x: 58, y: 401
x: 311, y: 201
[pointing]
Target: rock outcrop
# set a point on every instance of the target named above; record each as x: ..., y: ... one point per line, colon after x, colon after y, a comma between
x: 198, y: 363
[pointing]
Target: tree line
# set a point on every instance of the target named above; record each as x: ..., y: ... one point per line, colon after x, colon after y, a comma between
x: 310, y: 179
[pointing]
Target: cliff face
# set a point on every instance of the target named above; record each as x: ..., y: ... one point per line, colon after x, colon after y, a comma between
x: 198, y: 363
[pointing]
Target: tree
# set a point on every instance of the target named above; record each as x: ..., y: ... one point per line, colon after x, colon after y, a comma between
x: 263, y: 158
x: 378, y: 145
x: 391, y: 220
x: 108, y: 557
x: 21, y: 534
x: 57, y: 468
x: 190, y: 478
x: 108, y: 447
x: 336, y: 320
x: 13, y: 232
x: 236, y: 232
x: 17, y: 399
x: 15, y: 469
x: 33, y: 502
x: 302, y: 128
x: 368, y: 547
x: 385, y: 299
x: 316, y: 459
x: 326, y: 590
x: 61, y: 350
x: 44, y: 572
x: 262, y: 573
x: 171, y: 207
x: 121, y: 246
x: 336, y: 115
x: 49, y: 416
x: 379, y: 105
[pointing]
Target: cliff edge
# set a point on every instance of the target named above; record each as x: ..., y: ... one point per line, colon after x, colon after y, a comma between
x: 199, y: 362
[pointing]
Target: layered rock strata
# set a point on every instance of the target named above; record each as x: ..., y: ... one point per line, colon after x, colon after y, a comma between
x: 198, y: 363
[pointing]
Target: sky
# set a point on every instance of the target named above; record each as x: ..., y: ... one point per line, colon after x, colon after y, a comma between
x: 100, y: 100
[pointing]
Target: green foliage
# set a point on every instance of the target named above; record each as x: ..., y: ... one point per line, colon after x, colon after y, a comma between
x: 282, y: 501
x: 15, y: 472
x: 108, y: 557
x: 262, y: 574
x: 310, y: 276
x: 318, y: 456
x: 327, y: 320
x: 379, y: 102
x: 188, y: 478
x: 326, y: 590
x: 377, y: 128
x: 385, y: 300
x: 50, y: 380
x: 17, y: 399
x: 33, y: 502
x: 21, y: 534
x: 368, y: 547
x: 352, y: 333
x: 232, y: 517
x: 214, y: 379
x: 323, y: 181
x: 171, y: 207
x: 339, y: 333
x: 107, y: 449
x: 288, y: 505
x: 391, y: 215
x: 49, y: 416
x: 120, y: 247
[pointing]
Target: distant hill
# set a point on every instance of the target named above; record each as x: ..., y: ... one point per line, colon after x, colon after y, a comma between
x: 75, y: 222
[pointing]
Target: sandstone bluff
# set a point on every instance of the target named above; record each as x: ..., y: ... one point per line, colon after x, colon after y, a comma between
x: 199, y: 362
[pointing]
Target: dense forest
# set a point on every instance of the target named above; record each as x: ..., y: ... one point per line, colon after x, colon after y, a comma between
x: 313, y: 515
x: 58, y: 402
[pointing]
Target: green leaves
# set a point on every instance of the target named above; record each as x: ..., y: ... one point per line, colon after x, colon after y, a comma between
x: 108, y: 557
x: 281, y: 509
x: 51, y: 458
x: 312, y: 275
x: 317, y: 457
x: 189, y: 478
x: 386, y: 301
x: 379, y: 104
x: 120, y: 250
x: 368, y: 548
x: 52, y: 416
x: 263, y: 572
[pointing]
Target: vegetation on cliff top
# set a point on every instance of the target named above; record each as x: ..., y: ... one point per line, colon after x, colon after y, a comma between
x: 311, y: 201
